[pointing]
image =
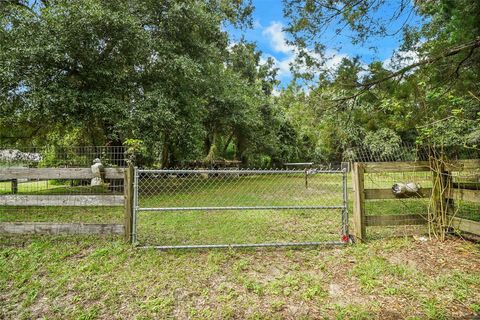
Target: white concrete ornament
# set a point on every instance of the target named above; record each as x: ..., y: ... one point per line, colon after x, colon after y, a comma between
x: 97, y: 171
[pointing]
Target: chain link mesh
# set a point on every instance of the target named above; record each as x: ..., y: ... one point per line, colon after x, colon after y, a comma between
x: 223, y: 207
x: 406, y: 152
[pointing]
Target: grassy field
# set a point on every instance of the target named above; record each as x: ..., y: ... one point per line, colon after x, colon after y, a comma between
x: 79, y: 277
x: 103, y: 278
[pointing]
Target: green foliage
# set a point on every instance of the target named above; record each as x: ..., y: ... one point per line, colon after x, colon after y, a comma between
x: 354, y: 104
x: 160, y: 72
x: 98, y: 72
x: 384, y: 142
x: 351, y: 311
x: 135, y: 148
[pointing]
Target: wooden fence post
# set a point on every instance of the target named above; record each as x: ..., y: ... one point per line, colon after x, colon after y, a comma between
x: 128, y: 191
x: 359, y: 201
x: 14, y: 186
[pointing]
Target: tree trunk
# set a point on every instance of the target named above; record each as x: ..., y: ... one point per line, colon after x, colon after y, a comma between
x: 241, y: 147
x: 212, y: 152
x: 165, y: 154
x: 225, y: 147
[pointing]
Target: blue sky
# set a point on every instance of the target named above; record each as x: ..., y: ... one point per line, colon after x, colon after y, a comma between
x: 267, y: 33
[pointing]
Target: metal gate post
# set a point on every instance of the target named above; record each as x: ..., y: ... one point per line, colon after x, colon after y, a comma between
x: 135, y: 206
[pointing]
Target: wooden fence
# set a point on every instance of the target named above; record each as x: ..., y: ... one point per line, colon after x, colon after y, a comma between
x: 67, y: 200
x: 362, y: 194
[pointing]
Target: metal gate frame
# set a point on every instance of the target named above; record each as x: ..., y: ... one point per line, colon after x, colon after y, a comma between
x: 345, y: 238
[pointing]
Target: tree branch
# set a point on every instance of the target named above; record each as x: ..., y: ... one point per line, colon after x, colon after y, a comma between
x: 451, y: 52
x: 470, y: 53
x: 472, y: 45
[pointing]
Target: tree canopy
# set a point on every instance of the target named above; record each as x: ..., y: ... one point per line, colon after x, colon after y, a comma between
x: 165, y: 73
x: 431, y: 93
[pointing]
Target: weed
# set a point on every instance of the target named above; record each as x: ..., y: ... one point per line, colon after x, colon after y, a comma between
x: 253, y: 286
x: 160, y: 305
x: 277, y: 305
x: 475, y: 307
x: 314, y: 292
x: 433, y: 309
x: 352, y: 312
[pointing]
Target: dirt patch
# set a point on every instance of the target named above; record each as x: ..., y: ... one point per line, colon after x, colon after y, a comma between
x: 432, y: 256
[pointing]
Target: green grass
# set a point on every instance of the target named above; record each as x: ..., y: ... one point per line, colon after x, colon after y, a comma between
x: 75, y: 277
x: 62, y: 214
x: 52, y: 187
x: 468, y: 210
x: 218, y: 227
x: 209, y: 227
x: 388, y: 179
x: 103, y: 278
x: 240, y: 226
x: 58, y: 214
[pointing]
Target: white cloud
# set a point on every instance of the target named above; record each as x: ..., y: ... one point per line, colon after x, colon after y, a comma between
x: 277, y: 38
x: 333, y: 59
x: 362, y: 75
x: 283, y: 65
x: 278, y: 42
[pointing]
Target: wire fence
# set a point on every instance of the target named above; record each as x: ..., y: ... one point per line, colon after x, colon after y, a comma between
x: 211, y: 189
x: 465, y: 181
x: 398, y: 206
x: 178, y: 208
x: 423, y: 180
x: 407, y: 152
x: 62, y: 156
x: 63, y: 194
x: 52, y: 200
x: 385, y: 180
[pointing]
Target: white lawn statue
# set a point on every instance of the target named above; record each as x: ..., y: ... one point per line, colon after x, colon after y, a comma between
x: 98, y: 173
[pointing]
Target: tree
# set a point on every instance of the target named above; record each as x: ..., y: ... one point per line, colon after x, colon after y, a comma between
x: 431, y: 93
x: 100, y: 72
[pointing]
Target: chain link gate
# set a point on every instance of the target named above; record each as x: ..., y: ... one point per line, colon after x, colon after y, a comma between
x: 225, y: 208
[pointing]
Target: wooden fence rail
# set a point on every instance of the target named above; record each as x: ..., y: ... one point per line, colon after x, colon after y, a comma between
x: 371, y: 194
x: 56, y: 173
x: 70, y: 200
x: 60, y: 228
x: 91, y: 200
x: 463, y: 194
